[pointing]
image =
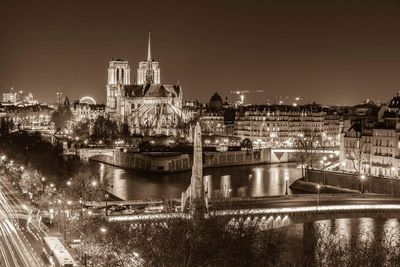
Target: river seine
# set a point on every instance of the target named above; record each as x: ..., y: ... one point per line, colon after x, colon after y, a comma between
x: 254, y: 180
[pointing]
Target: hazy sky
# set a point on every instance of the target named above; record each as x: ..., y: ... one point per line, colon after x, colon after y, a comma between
x: 333, y: 52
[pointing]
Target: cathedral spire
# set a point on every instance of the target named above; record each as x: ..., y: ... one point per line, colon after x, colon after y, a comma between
x: 149, y: 50
x: 149, y: 69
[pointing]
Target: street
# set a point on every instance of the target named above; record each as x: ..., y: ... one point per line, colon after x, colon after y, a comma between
x: 20, y: 242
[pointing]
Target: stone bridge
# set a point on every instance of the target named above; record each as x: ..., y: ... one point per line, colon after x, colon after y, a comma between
x: 273, y: 212
x: 87, y: 153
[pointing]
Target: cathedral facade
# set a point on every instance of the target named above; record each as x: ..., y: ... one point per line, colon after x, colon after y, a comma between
x: 147, y: 106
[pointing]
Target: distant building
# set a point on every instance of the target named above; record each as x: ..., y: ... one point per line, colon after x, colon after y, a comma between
x: 147, y: 106
x: 10, y: 97
x: 28, y: 117
x: 370, y: 142
x: 271, y: 125
x: 18, y: 98
x: 86, y: 109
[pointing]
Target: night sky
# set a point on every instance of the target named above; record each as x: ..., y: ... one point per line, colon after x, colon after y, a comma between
x: 332, y: 52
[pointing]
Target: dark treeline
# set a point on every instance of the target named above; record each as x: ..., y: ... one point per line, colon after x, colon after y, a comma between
x: 219, y: 242
x: 32, y: 151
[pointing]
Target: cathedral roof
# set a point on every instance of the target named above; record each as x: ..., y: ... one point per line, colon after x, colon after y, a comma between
x: 216, y: 97
x: 153, y: 90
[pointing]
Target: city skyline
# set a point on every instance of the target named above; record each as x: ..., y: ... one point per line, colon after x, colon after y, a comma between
x: 281, y: 47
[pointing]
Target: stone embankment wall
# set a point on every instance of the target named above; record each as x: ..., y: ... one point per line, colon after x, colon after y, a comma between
x: 173, y: 162
x: 372, y: 184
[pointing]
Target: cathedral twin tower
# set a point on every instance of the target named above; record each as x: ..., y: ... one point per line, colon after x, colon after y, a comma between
x: 147, y: 106
x: 148, y: 71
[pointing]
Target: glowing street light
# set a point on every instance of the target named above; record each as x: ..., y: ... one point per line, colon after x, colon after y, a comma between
x: 106, y: 196
x: 362, y: 177
x: 94, y: 183
x: 318, y: 189
x: 69, y: 183
x: 103, y: 230
x: 43, y: 184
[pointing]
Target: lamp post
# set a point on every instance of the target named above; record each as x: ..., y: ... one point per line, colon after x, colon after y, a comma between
x: 67, y: 212
x: 81, y: 203
x: 59, y: 214
x: 286, y: 185
x: 106, y: 195
x: 43, y: 184
x: 362, y: 177
x: 318, y: 192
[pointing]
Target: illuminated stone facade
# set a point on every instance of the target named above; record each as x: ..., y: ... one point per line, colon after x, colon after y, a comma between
x: 147, y: 106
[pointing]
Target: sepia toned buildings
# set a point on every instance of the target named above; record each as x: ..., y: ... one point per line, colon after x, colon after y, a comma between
x: 147, y: 106
x: 370, y: 141
x: 272, y: 125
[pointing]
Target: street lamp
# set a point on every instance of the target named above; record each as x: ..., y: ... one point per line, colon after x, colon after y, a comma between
x: 66, y: 212
x: 286, y: 185
x: 362, y: 177
x: 318, y: 191
x: 367, y: 168
x: 81, y: 203
x: 94, y: 183
x: 103, y: 230
x: 43, y: 184
x: 68, y: 183
x: 106, y: 195
x: 59, y: 214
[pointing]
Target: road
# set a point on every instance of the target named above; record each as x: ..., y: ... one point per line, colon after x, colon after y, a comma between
x: 17, y: 237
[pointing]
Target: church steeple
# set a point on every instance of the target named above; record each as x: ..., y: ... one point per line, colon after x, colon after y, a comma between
x: 149, y: 70
x: 149, y: 59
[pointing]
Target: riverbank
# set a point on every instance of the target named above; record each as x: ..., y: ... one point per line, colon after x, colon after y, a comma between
x: 300, y: 186
x: 169, y: 162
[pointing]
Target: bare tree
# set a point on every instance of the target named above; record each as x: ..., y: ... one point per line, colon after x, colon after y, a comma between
x: 357, y: 156
x: 306, y: 151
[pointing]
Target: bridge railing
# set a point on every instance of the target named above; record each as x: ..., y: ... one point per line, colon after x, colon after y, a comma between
x: 296, y: 196
x: 304, y: 210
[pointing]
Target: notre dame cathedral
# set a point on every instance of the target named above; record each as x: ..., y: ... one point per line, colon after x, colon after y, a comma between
x: 147, y: 106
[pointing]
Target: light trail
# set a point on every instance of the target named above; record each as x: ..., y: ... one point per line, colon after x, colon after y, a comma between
x: 14, y: 247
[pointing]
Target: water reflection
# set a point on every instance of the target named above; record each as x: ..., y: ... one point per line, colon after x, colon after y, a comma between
x: 255, y: 181
x: 349, y: 231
